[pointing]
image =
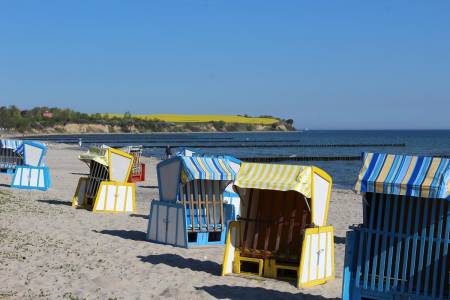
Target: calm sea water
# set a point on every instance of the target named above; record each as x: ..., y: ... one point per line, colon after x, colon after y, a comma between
x: 427, y: 142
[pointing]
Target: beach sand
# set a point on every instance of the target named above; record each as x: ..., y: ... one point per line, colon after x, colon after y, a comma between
x: 50, y: 250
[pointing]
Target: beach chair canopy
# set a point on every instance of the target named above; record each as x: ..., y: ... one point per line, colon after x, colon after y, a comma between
x: 311, y: 182
x: 183, y: 169
x: 404, y: 175
x: 33, y: 153
x: 119, y: 163
x: 11, y: 144
x: 97, y: 154
x: 208, y: 168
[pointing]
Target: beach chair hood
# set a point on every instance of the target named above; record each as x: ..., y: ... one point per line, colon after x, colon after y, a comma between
x: 208, y: 168
x: 404, y: 175
x: 311, y: 182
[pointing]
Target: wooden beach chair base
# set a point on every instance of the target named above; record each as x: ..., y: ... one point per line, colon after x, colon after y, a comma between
x: 314, y: 265
x: 170, y: 223
x: 31, y: 178
x: 116, y: 197
x: 111, y: 197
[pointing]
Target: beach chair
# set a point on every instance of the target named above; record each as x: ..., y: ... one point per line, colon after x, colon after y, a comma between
x: 282, y: 231
x: 32, y: 174
x: 138, y: 168
x: 106, y: 189
x: 9, y: 156
x: 400, y: 251
x: 192, y: 210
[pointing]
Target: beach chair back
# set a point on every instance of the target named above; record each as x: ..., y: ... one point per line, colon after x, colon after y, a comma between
x: 9, y: 159
x: 403, y: 245
x: 97, y: 174
x: 204, y: 204
x: 401, y: 248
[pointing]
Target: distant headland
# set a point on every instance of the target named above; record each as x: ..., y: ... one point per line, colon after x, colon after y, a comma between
x: 45, y: 120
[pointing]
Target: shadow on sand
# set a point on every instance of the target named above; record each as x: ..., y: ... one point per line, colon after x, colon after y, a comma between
x: 125, y: 234
x: 178, y: 261
x: 149, y: 186
x: 56, y: 202
x: 339, y: 240
x: 243, y: 292
x: 82, y: 174
x: 139, y: 216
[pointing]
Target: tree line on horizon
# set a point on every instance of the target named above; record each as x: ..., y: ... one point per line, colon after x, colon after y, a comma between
x: 14, y: 119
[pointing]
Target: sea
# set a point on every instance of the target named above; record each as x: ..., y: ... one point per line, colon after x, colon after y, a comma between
x: 315, y: 146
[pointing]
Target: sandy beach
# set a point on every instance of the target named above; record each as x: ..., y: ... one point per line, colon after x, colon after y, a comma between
x: 50, y: 250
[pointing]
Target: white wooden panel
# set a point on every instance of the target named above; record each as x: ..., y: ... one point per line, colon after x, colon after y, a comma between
x: 172, y: 225
x: 119, y: 167
x: 231, y: 247
x: 111, y: 197
x: 181, y: 226
x: 168, y: 176
x: 151, y: 230
x: 306, y: 257
x: 25, y: 177
x: 122, y: 193
x: 101, y: 198
x: 161, y: 223
x: 322, y: 254
x: 320, y: 196
x: 41, y: 182
x: 32, y: 155
x: 329, y: 253
x: 34, y: 177
x: 19, y: 172
x: 129, y: 203
x: 314, y: 257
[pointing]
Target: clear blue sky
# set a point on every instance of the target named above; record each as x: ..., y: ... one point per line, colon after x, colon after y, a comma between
x: 326, y: 64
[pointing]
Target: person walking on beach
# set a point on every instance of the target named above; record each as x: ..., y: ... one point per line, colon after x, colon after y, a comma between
x: 80, y: 142
x: 168, y: 152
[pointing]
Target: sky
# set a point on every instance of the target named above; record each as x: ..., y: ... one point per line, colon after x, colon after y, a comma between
x: 325, y: 64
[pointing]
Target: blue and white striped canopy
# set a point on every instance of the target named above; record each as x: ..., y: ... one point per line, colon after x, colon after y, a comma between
x: 15, y: 145
x: 405, y: 175
x: 209, y: 168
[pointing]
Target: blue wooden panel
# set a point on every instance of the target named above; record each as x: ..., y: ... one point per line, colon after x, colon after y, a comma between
x: 445, y: 285
x: 414, y: 247
x: 399, y: 242
x: 429, y: 250
x: 391, y: 243
x: 407, y: 244
x: 376, y: 245
x: 438, y: 249
x: 385, y: 236
x: 369, y: 241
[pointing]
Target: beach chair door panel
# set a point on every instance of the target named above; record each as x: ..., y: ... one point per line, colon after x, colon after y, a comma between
x: 176, y: 234
x: 317, y: 262
x: 167, y: 224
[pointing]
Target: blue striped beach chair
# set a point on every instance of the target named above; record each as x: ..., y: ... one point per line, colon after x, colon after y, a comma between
x: 401, y: 249
x: 192, y: 209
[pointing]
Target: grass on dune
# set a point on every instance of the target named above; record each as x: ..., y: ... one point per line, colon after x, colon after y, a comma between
x: 174, y: 118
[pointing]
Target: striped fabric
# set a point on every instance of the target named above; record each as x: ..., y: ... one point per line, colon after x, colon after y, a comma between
x: 417, y: 176
x: 275, y: 177
x: 11, y: 144
x: 202, y: 167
